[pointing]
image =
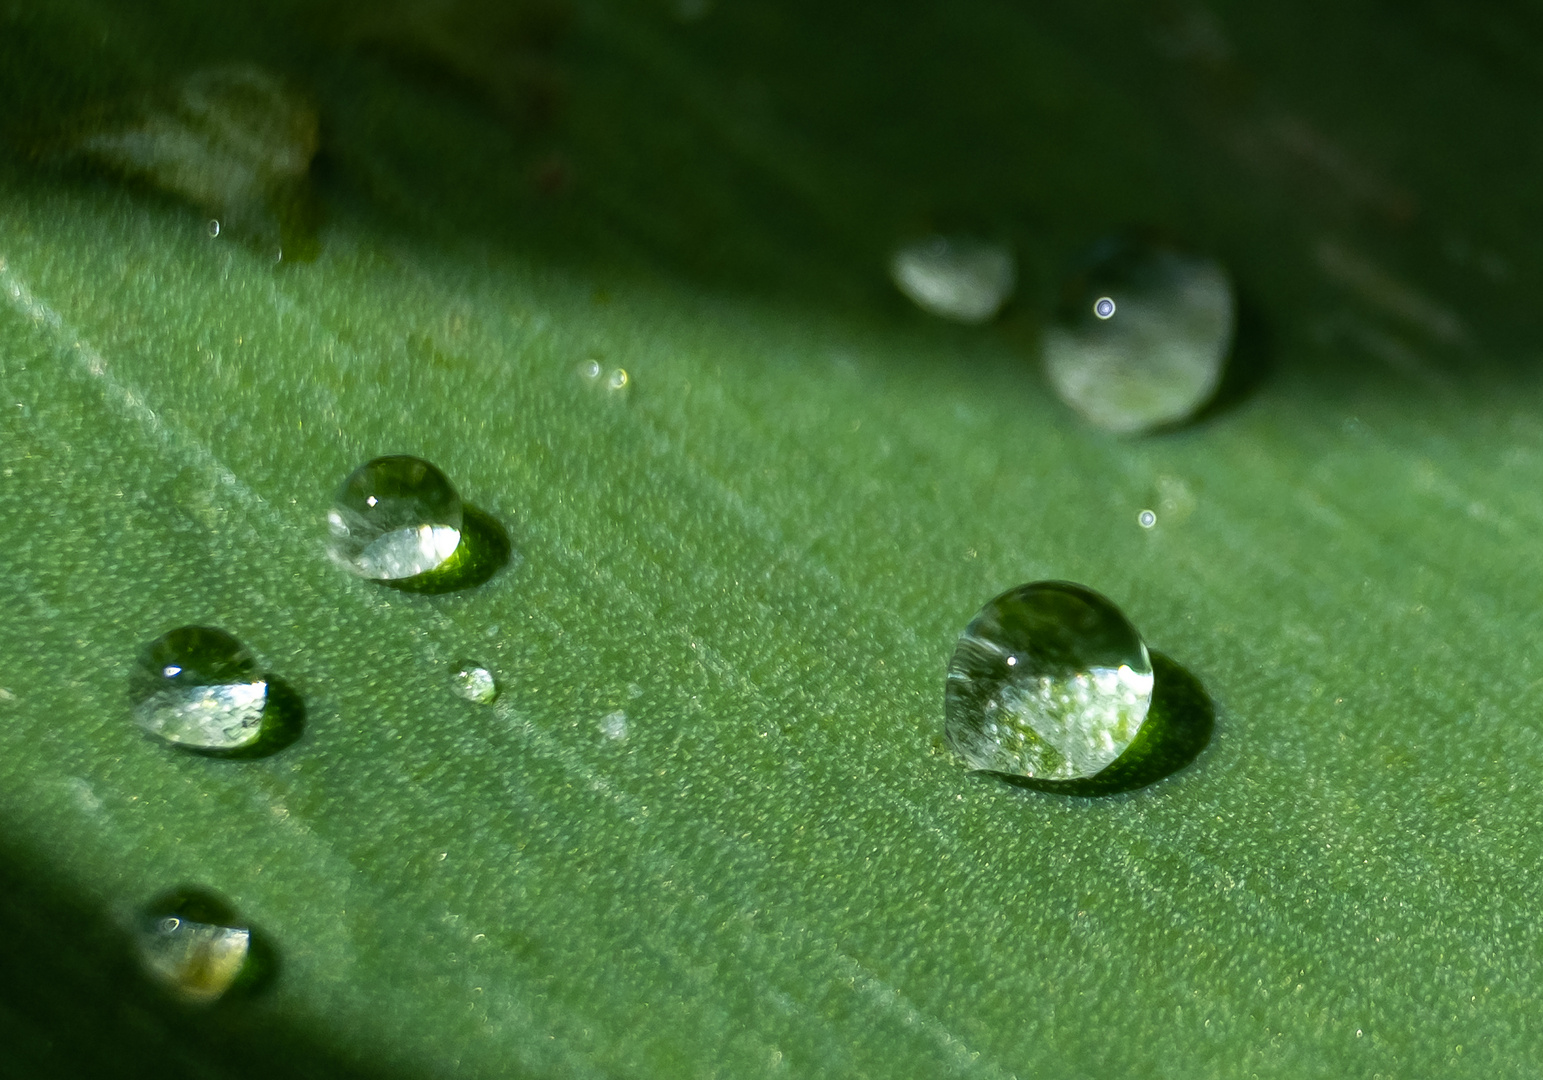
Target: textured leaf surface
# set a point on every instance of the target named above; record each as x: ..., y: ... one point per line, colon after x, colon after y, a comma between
x: 762, y: 553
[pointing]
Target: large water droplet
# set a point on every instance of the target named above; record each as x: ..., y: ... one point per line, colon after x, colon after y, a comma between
x: 395, y: 518
x: 1050, y: 681
x: 200, y: 688
x: 473, y: 682
x: 193, y: 946
x: 955, y: 277
x: 1142, y: 338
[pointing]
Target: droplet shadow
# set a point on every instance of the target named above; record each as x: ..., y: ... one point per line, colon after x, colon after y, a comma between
x: 484, y: 550
x: 1177, y: 728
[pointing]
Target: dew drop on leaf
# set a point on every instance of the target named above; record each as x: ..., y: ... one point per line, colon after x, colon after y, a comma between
x: 1049, y: 680
x: 394, y: 518
x: 473, y: 682
x: 1142, y: 337
x: 199, y: 688
x: 193, y: 946
x: 955, y: 277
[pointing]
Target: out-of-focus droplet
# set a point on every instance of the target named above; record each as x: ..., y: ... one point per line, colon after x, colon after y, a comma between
x: 214, y: 228
x: 198, y: 687
x: 955, y: 277
x: 614, y: 726
x: 1146, y: 519
x: 473, y: 682
x: 236, y: 141
x: 618, y: 380
x: 193, y: 946
x: 1049, y: 680
x: 394, y: 518
x: 1143, y: 337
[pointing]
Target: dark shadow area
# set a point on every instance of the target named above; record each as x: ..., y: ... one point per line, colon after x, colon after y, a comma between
x: 283, y: 725
x: 1178, y: 726
x: 74, y: 1003
x: 1248, y: 366
x: 484, y: 550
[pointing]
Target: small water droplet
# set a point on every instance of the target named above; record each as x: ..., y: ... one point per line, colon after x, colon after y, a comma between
x: 955, y: 277
x: 590, y: 369
x: 473, y: 682
x: 1162, y: 358
x: 618, y: 379
x: 614, y: 725
x: 1146, y: 519
x: 194, y: 947
x: 394, y: 518
x: 200, y: 688
x: 214, y: 228
x: 1049, y: 680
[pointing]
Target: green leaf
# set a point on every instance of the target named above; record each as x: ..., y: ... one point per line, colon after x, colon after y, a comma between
x: 762, y: 550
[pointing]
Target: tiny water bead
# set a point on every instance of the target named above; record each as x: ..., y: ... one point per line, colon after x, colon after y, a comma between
x: 1146, y: 519
x: 616, y: 380
x: 614, y: 726
x: 1050, y: 681
x: 200, y: 688
x: 955, y: 277
x: 473, y: 682
x: 1143, y: 337
x: 193, y: 946
x: 395, y: 518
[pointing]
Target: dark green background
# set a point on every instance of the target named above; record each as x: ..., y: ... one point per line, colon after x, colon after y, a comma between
x: 763, y: 552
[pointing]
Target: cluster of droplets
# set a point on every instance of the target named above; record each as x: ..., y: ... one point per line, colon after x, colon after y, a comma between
x: 395, y: 520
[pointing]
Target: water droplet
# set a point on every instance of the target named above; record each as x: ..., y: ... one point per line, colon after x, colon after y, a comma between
x: 200, y: 688
x: 591, y: 370
x: 473, y: 682
x: 395, y: 518
x: 1049, y: 680
x: 1162, y: 357
x: 955, y: 277
x: 1146, y: 519
x: 618, y: 379
x: 614, y: 725
x: 237, y: 141
x: 193, y: 945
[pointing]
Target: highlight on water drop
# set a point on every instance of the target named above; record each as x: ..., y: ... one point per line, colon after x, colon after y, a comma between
x: 1143, y: 336
x: 955, y: 277
x: 1050, y: 681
